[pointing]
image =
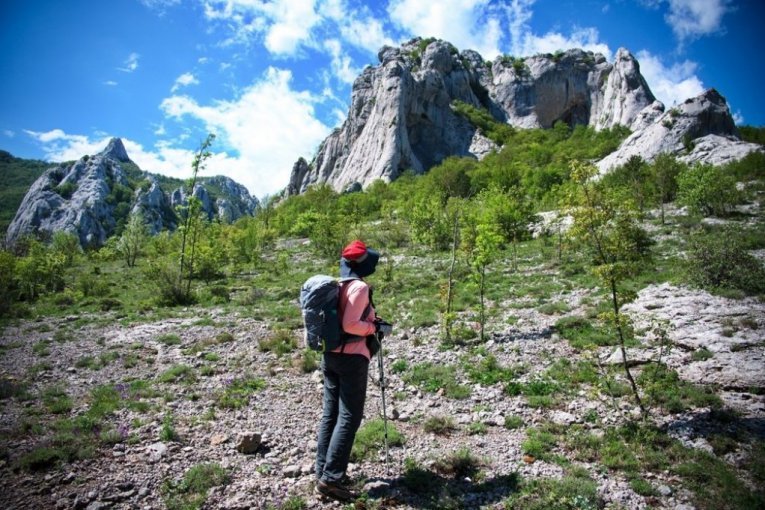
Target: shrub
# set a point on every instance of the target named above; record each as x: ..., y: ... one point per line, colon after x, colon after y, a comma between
x: 459, y: 464
x: 439, y: 425
x: 720, y: 260
x: 167, y: 432
x: 707, y: 190
x: 66, y: 190
x: 280, y: 342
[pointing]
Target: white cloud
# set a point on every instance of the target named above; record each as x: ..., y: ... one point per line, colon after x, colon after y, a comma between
x: 523, y: 42
x: 269, y: 125
x: 359, y: 28
x: 184, y: 80
x: 203, y: 60
x: 691, y: 19
x: 111, y: 83
x: 284, y: 24
x: 671, y: 85
x: 130, y: 64
x: 584, y: 38
x: 59, y: 146
x: 738, y: 118
x: 468, y: 24
x: 342, y: 66
x: 9, y: 133
x: 160, y: 5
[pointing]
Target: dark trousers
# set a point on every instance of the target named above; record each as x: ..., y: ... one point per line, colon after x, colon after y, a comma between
x: 345, y: 389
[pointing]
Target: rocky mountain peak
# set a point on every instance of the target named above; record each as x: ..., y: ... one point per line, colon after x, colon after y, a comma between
x: 402, y: 110
x: 402, y: 114
x: 115, y: 150
x: 94, y: 196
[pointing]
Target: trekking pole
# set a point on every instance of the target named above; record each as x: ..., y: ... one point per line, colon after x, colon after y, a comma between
x: 382, y: 392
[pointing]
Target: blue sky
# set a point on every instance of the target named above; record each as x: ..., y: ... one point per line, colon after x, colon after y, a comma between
x: 272, y: 78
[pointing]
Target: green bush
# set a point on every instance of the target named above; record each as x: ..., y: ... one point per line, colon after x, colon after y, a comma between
x: 707, y: 190
x: 720, y: 260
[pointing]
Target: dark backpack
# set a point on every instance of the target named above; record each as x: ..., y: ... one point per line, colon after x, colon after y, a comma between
x: 319, y: 299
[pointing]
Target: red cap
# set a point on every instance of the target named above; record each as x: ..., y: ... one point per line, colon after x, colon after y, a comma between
x: 355, y: 251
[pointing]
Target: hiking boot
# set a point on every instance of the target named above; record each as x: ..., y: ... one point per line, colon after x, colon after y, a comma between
x: 334, y: 491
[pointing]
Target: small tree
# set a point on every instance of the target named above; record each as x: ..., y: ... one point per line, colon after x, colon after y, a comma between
x: 635, y: 177
x: 67, y: 244
x: 192, y: 219
x: 607, y: 225
x: 707, y: 189
x: 447, y: 291
x: 665, y: 170
x: 481, y: 241
x: 487, y: 245
x: 133, y: 239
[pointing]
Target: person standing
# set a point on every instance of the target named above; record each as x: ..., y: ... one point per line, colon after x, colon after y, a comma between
x: 345, y: 371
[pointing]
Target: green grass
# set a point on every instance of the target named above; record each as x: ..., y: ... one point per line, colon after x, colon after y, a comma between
x: 56, y: 400
x: 237, y: 392
x: 636, y: 449
x: 578, y: 492
x: 487, y: 370
x: 167, y: 432
x: 80, y: 436
x: 702, y: 354
x: 513, y: 421
x: 439, y: 424
x: 178, y: 373
x: 666, y: 390
x: 169, y: 339
x: 280, y: 342
x: 459, y: 464
x: 581, y: 333
x: 432, y: 378
x: 370, y: 439
x: 190, y: 492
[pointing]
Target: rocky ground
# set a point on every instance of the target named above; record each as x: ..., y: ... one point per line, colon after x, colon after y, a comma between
x: 281, y: 418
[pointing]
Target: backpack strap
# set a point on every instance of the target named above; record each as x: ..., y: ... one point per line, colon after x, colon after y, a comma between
x: 370, y: 305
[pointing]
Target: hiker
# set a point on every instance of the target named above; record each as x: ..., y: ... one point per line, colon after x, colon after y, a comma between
x: 345, y: 371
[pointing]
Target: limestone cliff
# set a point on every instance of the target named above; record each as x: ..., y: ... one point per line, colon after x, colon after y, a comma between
x: 401, y: 113
x: 701, y: 129
x: 93, y: 197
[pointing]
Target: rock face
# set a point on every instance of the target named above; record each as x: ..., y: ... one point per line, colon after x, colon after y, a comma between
x: 93, y: 196
x: 699, y: 130
x: 402, y: 117
x: 73, y: 198
x: 401, y: 114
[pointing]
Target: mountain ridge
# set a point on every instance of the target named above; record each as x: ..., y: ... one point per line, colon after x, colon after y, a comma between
x: 402, y: 114
x: 92, y: 197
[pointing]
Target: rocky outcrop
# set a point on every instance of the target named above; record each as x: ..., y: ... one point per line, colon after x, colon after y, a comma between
x: 699, y: 130
x: 93, y: 196
x: 155, y: 207
x: 575, y: 87
x: 74, y: 198
x: 401, y: 114
x: 234, y: 200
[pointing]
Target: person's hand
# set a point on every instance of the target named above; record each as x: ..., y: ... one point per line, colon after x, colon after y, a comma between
x: 383, y: 327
